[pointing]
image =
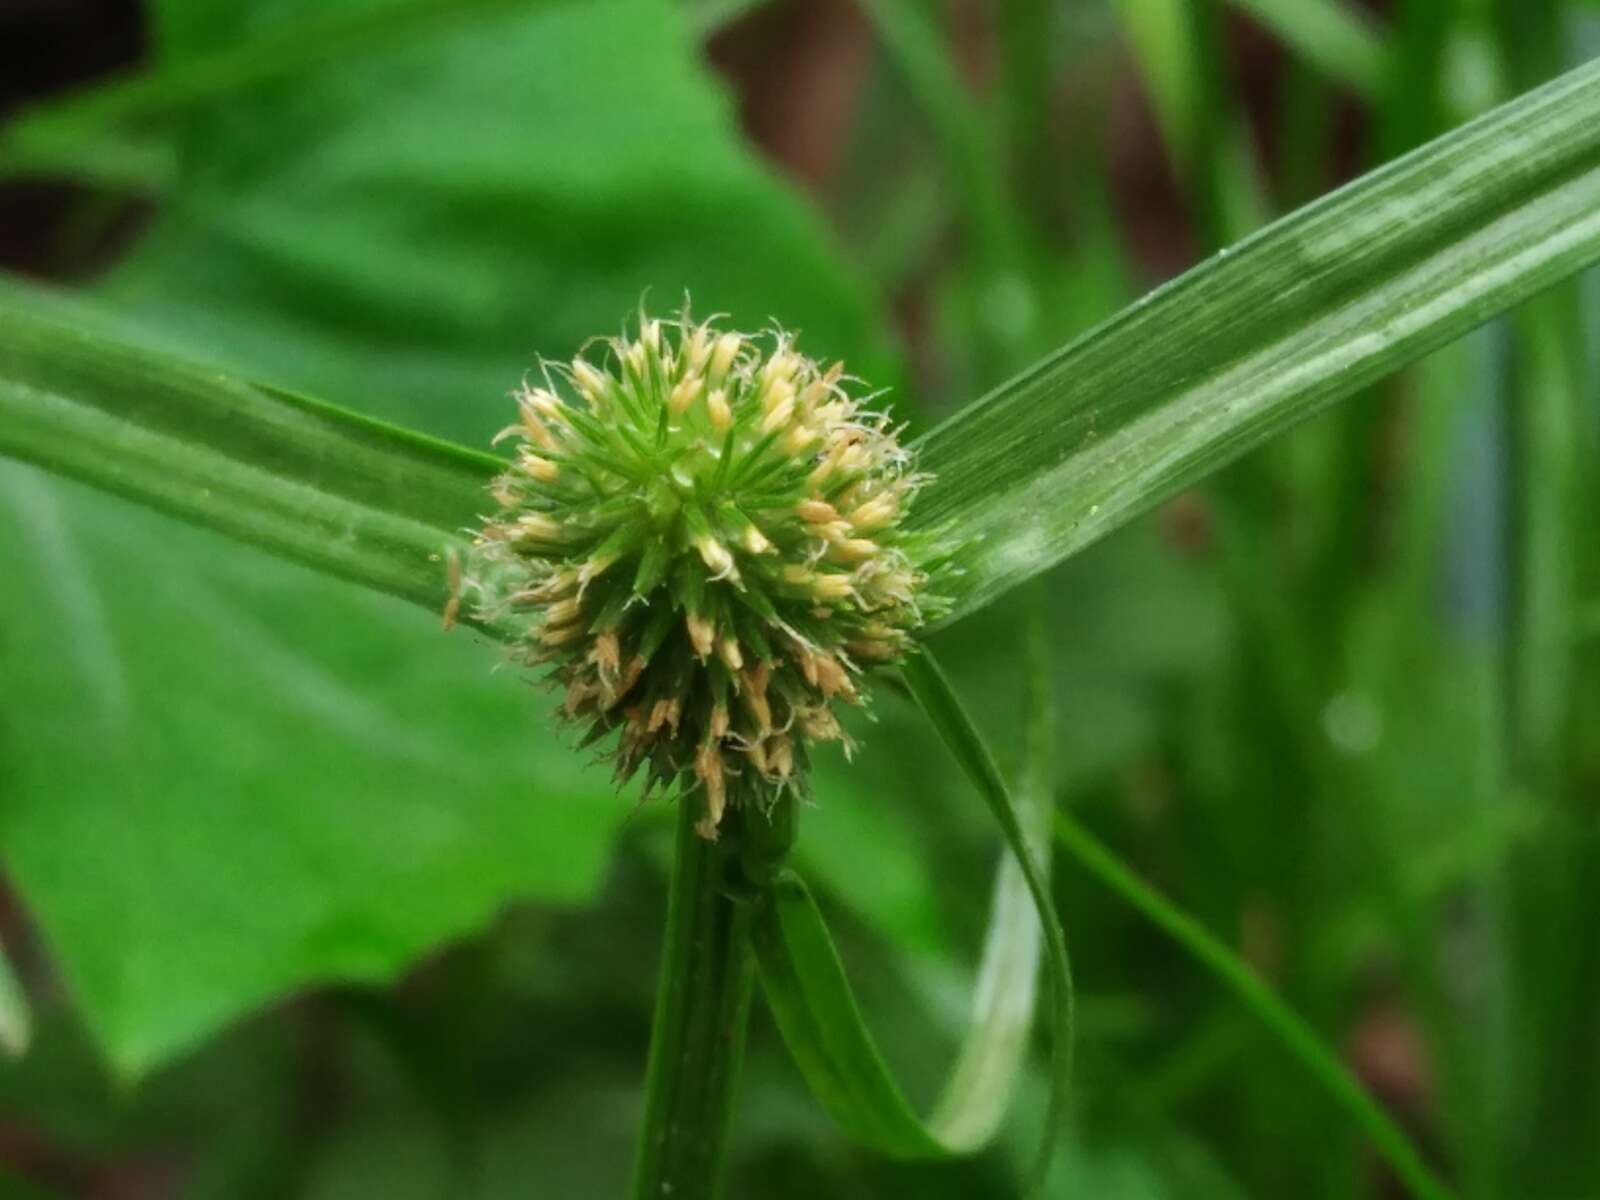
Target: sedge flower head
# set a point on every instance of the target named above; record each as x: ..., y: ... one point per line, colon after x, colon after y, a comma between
x: 701, y: 541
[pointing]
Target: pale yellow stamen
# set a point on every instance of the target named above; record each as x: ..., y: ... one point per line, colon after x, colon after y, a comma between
x: 723, y: 356
x: 536, y: 527
x: 776, y: 394
x: 708, y: 767
x: 716, y: 557
x: 756, y: 752
x: 552, y: 635
x: 876, y: 513
x: 816, y: 511
x: 719, y: 412
x: 853, y: 549
x: 832, y: 586
x: 819, y: 724
x: 629, y: 677
x: 684, y: 394
x: 541, y: 469
x: 781, y: 757
x: 798, y: 438
x: 562, y: 611
x: 702, y: 634
x: 779, y: 416
x: 755, y: 696
x: 663, y: 713
x: 697, y: 349
x: 606, y: 654
x: 591, y: 384
x: 594, y: 568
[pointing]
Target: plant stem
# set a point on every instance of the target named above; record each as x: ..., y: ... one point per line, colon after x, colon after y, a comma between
x: 702, y: 1002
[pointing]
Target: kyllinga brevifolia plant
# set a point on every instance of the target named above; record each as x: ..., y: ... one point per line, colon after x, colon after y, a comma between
x: 706, y: 542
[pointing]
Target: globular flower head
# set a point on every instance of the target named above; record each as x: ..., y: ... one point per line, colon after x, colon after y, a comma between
x: 702, y: 533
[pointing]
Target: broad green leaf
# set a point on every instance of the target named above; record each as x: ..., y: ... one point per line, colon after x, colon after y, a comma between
x: 225, y: 777
x: 1267, y: 334
x: 811, y: 1000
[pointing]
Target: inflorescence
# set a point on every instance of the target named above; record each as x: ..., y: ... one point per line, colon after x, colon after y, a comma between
x: 702, y: 530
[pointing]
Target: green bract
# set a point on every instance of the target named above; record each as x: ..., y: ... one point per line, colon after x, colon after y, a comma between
x: 703, y: 530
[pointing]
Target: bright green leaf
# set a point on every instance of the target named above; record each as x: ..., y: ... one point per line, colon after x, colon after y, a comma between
x: 812, y: 1002
x: 1267, y: 334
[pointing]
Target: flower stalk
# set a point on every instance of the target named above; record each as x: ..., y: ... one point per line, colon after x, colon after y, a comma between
x: 697, y: 1036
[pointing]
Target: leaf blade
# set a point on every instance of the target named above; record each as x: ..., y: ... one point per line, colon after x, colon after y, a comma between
x: 1265, y: 335
x: 823, y: 1027
x: 353, y: 497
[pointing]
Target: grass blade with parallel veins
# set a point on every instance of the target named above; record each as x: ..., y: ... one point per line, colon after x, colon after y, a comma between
x: 1266, y: 335
x: 816, y: 1011
x: 354, y: 497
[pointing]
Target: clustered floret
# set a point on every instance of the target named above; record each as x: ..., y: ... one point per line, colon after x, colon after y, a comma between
x: 703, y: 533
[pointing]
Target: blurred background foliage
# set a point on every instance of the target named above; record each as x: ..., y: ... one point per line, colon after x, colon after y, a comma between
x: 309, y: 901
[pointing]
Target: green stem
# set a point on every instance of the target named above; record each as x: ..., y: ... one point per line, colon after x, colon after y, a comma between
x: 697, y: 1040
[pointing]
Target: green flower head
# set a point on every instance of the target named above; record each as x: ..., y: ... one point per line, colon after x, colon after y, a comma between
x: 702, y: 531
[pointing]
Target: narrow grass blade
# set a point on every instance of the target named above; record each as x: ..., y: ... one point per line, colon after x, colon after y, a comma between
x: 1320, y: 1062
x: 347, y: 495
x: 933, y: 692
x: 810, y: 998
x: 1263, y: 336
x: 811, y: 1001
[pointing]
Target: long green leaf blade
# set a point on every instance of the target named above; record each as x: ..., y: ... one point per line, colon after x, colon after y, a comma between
x: 816, y: 1011
x: 350, y: 496
x: 1267, y: 334
x: 938, y: 700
